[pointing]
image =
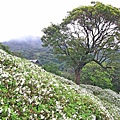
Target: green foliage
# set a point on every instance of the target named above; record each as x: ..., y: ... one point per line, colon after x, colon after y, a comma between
x: 115, y: 73
x: 5, y: 48
x: 18, y: 54
x: 29, y: 92
x: 116, y: 78
x: 95, y: 75
x: 53, y: 68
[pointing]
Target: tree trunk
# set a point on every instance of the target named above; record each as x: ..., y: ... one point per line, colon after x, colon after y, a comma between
x: 77, y: 76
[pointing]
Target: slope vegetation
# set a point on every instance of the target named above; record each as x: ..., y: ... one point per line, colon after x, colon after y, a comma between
x: 28, y: 92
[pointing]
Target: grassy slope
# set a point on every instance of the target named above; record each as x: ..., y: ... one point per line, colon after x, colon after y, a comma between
x: 29, y: 92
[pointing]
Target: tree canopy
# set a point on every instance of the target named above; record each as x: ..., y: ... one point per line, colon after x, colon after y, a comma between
x: 88, y: 33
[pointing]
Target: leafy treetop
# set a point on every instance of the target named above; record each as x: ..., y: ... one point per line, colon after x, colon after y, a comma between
x: 88, y: 33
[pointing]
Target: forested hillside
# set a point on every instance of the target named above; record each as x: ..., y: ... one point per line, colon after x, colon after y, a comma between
x: 29, y: 92
x: 31, y: 48
x: 27, y: 46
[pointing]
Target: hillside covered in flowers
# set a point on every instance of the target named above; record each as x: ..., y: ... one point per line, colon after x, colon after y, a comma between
x: 28, y: 92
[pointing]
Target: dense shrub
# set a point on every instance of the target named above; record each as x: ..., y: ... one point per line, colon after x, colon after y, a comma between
x: 29, y: 92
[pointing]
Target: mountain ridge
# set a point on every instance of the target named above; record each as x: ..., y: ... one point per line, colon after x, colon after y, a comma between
x: 27, y: 46
x: 31, y: 41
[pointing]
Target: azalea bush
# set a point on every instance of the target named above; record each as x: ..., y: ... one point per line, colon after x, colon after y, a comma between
x: 29, y: 92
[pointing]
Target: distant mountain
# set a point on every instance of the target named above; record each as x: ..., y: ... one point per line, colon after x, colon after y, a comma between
x: 24, y: 43
x: 30, y: 47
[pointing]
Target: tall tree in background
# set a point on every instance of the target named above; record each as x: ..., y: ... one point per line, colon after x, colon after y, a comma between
x: 88, y: 33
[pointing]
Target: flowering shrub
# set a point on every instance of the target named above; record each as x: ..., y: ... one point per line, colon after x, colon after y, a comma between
x: 29, y: 92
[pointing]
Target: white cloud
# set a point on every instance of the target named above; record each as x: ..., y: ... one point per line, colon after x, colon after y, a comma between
x: 29, y: 17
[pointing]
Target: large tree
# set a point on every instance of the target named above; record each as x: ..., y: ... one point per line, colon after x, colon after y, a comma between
x: 88, y: 33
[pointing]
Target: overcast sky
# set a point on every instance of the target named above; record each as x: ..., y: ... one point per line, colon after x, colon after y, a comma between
x: 20, y: 18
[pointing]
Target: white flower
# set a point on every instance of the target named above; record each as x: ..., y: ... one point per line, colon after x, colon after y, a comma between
x: 17, y: 100
x: 35, y: 82
x: 1, y: 110
x: 44, y: 90
x: 57, y: 85
x: 5, y: 75
x: 65, y: 88
x: 42, y: 117
x: 37, y: 103
x: 28, y: 91
x: 35, y: 97
x: 0, y: 70
x: 25, y: 95
x: 51, y: 95
x: 23, y: 88
x: 20, y: 91
x: 53, y: 118
x: 30, y: 100
x: 23, y: 80
x: 58, y: 107
x: 23, y: 103
x: 31, y: 117
x: 17, y: 89
x: 35, y: 115
x: 42, y: 111
x: 30, y: 82
x: 74, y: 116
x: 64, y: 116
x: 38, y: 86
x: 93, y: 117
x: 9, y: 111
x: 39, y: 98
x: 2, y: 102
x: 13, y: 105
x: 24, y: 109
